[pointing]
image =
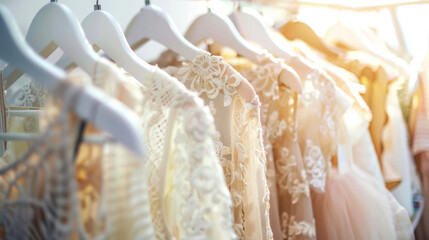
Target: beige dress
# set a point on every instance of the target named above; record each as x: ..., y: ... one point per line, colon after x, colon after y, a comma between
x: 291, y: 211
x: 238, y: 138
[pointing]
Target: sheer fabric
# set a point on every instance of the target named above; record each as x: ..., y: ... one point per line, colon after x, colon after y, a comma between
x: 291, y: 211
x: 358, y: 116
x: 109, y: 201
x: 237, y: 138
x: 347, y: 190
x: 177, y: 190
x: 38, y: 190
x: 317, y: 128
x: 359, y: 143
x: 113, y: 201
x: 376, y: 76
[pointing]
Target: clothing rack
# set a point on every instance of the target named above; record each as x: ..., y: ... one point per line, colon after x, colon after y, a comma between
x: 392, y: 7
x: 375, y: 7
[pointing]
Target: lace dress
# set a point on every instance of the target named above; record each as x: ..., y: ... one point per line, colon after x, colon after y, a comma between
x: 109, y: 200
x: 188, y: 195
x: 238, y: 138
x: 291, y: 211
x: 38, y: 197
x: 348, y: 187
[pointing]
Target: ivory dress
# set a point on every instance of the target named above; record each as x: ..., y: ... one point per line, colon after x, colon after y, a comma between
x: 291, y: 211
x: 179, y: 178
x: 238, y: 137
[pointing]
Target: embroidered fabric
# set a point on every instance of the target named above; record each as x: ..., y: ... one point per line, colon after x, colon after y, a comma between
x: 188, y: 195
x: 291, y: 215
x: 237, y: 138
x: 317, y: 128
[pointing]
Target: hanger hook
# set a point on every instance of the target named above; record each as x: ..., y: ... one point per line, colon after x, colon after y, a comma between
x: 237, y: 4
x: 54, y: 1
x: 97, y: 6
x: 208, y: 7
x: 147, y: 2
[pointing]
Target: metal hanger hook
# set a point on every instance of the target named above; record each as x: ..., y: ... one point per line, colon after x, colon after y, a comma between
x: 208, y: 7
x: 54, y: 1
x: 97, y: 6
x: 147, y: 2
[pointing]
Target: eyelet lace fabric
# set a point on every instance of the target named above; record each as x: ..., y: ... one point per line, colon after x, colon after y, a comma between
x: 237, y: 138
x: 286, y: 175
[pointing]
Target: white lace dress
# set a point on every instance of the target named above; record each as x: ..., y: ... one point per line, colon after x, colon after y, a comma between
x: 188, y: 195
x: 238, y: 139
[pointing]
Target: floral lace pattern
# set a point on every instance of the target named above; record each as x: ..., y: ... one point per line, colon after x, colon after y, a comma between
x: 209, y: 75
x: 243, y: 161
x: 200, y: 198
x: 317, y: 128
x: 29, y: 94
x: 295, y: 228
x: 286, y: 173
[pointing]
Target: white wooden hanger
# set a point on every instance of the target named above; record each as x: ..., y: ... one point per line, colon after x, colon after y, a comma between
x: 110, y: 115
x: 221, y: 30
x: 252, y: 27
x: 152, y: 23
x: 104, y: 32
x: 341, y: 33
x: 54, y: 26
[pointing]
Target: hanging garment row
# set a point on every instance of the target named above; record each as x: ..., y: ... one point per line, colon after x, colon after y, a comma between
x: 238, y: 131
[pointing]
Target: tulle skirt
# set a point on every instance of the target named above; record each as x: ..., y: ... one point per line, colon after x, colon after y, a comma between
x: 354, y: 207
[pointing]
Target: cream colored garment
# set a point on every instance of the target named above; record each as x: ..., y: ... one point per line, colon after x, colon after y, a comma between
x: 359, y: 143
x: 291, y: 211
x: 189, y: 200
x: 33, y: 200
x: 188, y: 195
x: 238, y: 139
x: 18, y: 124
x: 357, y: 120
x: 358, y: 116
x: 24, y: 94
x: 317, y: 130
x: 353, y: 201
x: 113, y: 202
x: 397, y: 151
x: 377, y: 77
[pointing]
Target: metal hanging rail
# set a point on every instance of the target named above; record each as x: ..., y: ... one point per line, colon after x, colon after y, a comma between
x: 375, y: 7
